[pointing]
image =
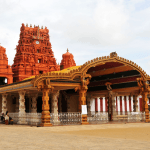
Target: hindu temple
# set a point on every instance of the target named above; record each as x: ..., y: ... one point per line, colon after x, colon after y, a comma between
x: 41, y: 92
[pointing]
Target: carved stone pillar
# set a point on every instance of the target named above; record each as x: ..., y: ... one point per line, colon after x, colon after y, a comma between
x: 135, y: 103
x: 4, y: 103
x: 45, y: 108
x: 79, y: 102
x: 68, y: 104
x: 34, y: 103
x: 144, y: 96
x: 82, y: 98
x: 144, y: 90
x: 22, y: 113
x: 17, y: 104
x: 89, y: 104
x: 55, y: 96
x: 112, y: 107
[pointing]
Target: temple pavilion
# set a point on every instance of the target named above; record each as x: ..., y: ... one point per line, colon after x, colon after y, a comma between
x: 110, y: 87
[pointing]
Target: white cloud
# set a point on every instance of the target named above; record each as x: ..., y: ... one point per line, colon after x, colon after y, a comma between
x: 89, y: 29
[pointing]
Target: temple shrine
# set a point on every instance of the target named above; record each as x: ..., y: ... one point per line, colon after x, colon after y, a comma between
x: 105, y: 89
x: 34, y: 53
x: 67, y: 60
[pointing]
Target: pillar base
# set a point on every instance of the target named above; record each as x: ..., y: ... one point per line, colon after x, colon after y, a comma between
x: 22, y: 122
x: 85, y: 123
x: 46, y: 125
x: 84, y: 120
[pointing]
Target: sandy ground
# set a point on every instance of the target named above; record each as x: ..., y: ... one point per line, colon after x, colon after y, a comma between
x: 135, y: 136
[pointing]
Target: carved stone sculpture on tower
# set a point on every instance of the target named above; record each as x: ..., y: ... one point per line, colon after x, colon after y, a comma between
x: 33, y: 46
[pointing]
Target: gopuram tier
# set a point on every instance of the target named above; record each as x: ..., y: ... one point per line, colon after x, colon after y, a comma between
x: 34, y: 53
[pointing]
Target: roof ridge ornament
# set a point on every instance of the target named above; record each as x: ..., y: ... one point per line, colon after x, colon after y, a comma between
x: 113, y: 54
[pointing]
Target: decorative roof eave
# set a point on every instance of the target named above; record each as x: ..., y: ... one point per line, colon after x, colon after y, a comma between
x: 113, y: 58
x: 82, y: 70
x: 16, y: 87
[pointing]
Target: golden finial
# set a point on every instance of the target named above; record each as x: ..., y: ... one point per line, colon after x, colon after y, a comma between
x: 34, y: 25
x: 26, y: 25
x: 42, y: 27
x: 30, y: 25
x: 67, y: 50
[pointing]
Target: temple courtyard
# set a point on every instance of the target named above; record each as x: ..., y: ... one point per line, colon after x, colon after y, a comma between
x: 123, y: 136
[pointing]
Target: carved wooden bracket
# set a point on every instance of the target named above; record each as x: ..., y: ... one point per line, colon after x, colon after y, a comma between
x: 108, y: 84
x: 143, y: 85
x: 45, y: 84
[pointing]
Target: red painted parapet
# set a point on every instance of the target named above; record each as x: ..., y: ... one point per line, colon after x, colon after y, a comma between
x: 34, y: 53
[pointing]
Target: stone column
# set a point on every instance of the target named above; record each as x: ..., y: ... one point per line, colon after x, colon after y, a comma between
x: 82, y: 100
x: 17, y: 104
x: 4, y: 103
x: 55, y: 96
x: 112, y: 99
x: 34, y: 103
x: 135, y: 105
x: 79, y: 102
x: 22, y: 113
x: 89, y: 104
x: 45, y: 108
x: 68, y: 104
x: 144, y: 97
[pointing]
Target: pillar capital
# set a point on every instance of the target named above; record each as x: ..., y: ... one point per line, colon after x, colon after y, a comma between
x: 55, y: 93
x: 112, y: 94
x: 5, y: 95
x: 22, y: 93
x: 34, y: 95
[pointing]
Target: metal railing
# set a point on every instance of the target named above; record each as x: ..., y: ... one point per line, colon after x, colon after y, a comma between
x: 127, y: 116
x: 69, y: 118
x: 97, y: 117
x: 74, y: 118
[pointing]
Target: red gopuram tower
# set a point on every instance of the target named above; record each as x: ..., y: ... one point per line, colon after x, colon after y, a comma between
x: 34, y: 53
x: 5, y: 69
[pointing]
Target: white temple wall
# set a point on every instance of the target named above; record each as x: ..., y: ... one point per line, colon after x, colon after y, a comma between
x: 119, y: 100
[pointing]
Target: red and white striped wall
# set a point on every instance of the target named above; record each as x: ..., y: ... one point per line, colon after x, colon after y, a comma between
x: 123, y: 103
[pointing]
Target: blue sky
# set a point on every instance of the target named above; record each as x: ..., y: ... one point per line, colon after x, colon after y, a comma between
x: 88, y: 28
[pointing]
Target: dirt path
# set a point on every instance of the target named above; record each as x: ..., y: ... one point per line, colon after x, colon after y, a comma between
x: 135, y: 136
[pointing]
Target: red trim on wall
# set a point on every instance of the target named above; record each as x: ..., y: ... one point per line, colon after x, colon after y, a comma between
x: 106, y: 66
x: 115, y: 81
x: 116, y: 105
x: 125, y: 103
x: 120, y: 103
x: 106, y: 105
x: 96, y: 104
x: 130, y: 103
x: 101, y: 104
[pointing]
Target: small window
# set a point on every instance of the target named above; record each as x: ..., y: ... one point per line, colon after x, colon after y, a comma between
x: 37, y: 51
x: 40, y: 72
x: 39, y: 60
